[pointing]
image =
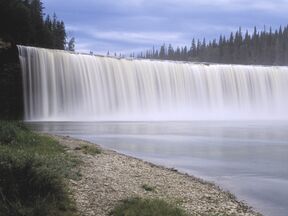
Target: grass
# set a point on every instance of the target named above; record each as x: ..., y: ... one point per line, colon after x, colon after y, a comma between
x: 89, y: 149
x: 146, y: 207
x: 148, y: 188
x: 33, y: 171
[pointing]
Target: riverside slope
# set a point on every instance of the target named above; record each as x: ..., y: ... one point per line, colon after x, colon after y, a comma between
x: 110, y: 177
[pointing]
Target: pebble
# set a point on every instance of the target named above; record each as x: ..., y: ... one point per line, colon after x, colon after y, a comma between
x: 111, y: 177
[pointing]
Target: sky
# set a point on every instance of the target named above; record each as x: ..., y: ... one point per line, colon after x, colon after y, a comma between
x: 127, y: 26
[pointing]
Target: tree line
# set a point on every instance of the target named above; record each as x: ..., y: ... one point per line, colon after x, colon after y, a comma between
x: 260, y: 47
x: 24, y: 22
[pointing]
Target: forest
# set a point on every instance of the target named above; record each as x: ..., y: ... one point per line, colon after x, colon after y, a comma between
x: 23, y: 22
x: 260, y: 47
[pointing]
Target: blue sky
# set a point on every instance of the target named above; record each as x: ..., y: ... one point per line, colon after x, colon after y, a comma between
x: 136, y: 25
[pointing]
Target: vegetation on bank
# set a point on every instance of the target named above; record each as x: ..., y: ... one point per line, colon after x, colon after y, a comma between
x: 148, y: 188
x: 89, y: 149
x: 145, y: 207
x: 33, y: 170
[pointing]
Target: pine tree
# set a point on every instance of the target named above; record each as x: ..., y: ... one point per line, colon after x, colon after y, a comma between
x: 71, y: 45
x: 262, y: 47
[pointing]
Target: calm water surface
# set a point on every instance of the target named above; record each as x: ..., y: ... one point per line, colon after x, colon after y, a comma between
x: 248, y: 158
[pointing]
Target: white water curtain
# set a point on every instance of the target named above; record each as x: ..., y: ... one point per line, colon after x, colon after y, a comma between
x: 59, y: 86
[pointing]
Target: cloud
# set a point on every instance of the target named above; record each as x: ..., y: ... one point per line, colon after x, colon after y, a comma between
x: 138, y: 4
x: 130, y: 25
x: 121, y: 41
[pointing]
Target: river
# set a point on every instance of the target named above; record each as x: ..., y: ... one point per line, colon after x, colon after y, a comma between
x: 248, y: 158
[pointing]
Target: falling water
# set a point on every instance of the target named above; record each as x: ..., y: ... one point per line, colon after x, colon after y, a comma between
x: 59, y: 85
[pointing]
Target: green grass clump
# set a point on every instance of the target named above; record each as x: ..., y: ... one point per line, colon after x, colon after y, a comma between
x: 147, y: 187
x: 146, y: 207
x: 91, y: 150
x: 9, y: 131
x: 33, y: 169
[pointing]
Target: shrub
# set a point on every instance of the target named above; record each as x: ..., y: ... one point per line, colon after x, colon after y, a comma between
x: 146, y: 207
x: 8, y: 132
x: 147, y: 187
x: 33, y: 169
x: 28, y: 186
x: 92, y: 150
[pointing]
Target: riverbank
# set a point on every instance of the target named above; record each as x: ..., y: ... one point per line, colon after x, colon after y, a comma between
x: 34, y: 171
x: 110, y: 177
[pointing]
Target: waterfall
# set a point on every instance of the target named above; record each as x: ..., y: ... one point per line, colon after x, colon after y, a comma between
x: 63, y: 86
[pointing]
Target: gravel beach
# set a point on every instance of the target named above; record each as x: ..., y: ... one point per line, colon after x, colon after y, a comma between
x: 110, y: 177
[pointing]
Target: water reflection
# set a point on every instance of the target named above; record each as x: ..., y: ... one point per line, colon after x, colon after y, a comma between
x: 248, y: 158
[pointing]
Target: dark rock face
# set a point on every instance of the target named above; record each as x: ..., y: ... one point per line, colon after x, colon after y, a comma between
x: 11, y: 99
x: 4, y: 44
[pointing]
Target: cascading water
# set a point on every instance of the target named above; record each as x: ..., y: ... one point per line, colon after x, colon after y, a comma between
x: 59, y: 85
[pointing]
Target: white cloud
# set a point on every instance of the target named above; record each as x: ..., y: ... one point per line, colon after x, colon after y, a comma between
x: 137, y: 37
x: 128, y: 36
x: 127, y: 25
x: 228, y: 4
x: 262, y: 5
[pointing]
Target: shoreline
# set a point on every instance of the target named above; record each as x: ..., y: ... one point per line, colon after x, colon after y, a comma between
x: 110, y: 177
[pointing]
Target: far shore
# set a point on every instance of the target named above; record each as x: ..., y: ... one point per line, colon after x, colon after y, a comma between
x: 110, y: 177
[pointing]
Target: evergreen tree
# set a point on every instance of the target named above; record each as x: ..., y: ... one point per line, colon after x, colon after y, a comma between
x: 267, y: 48
x: 23, y: 22
x: 71, y: 45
